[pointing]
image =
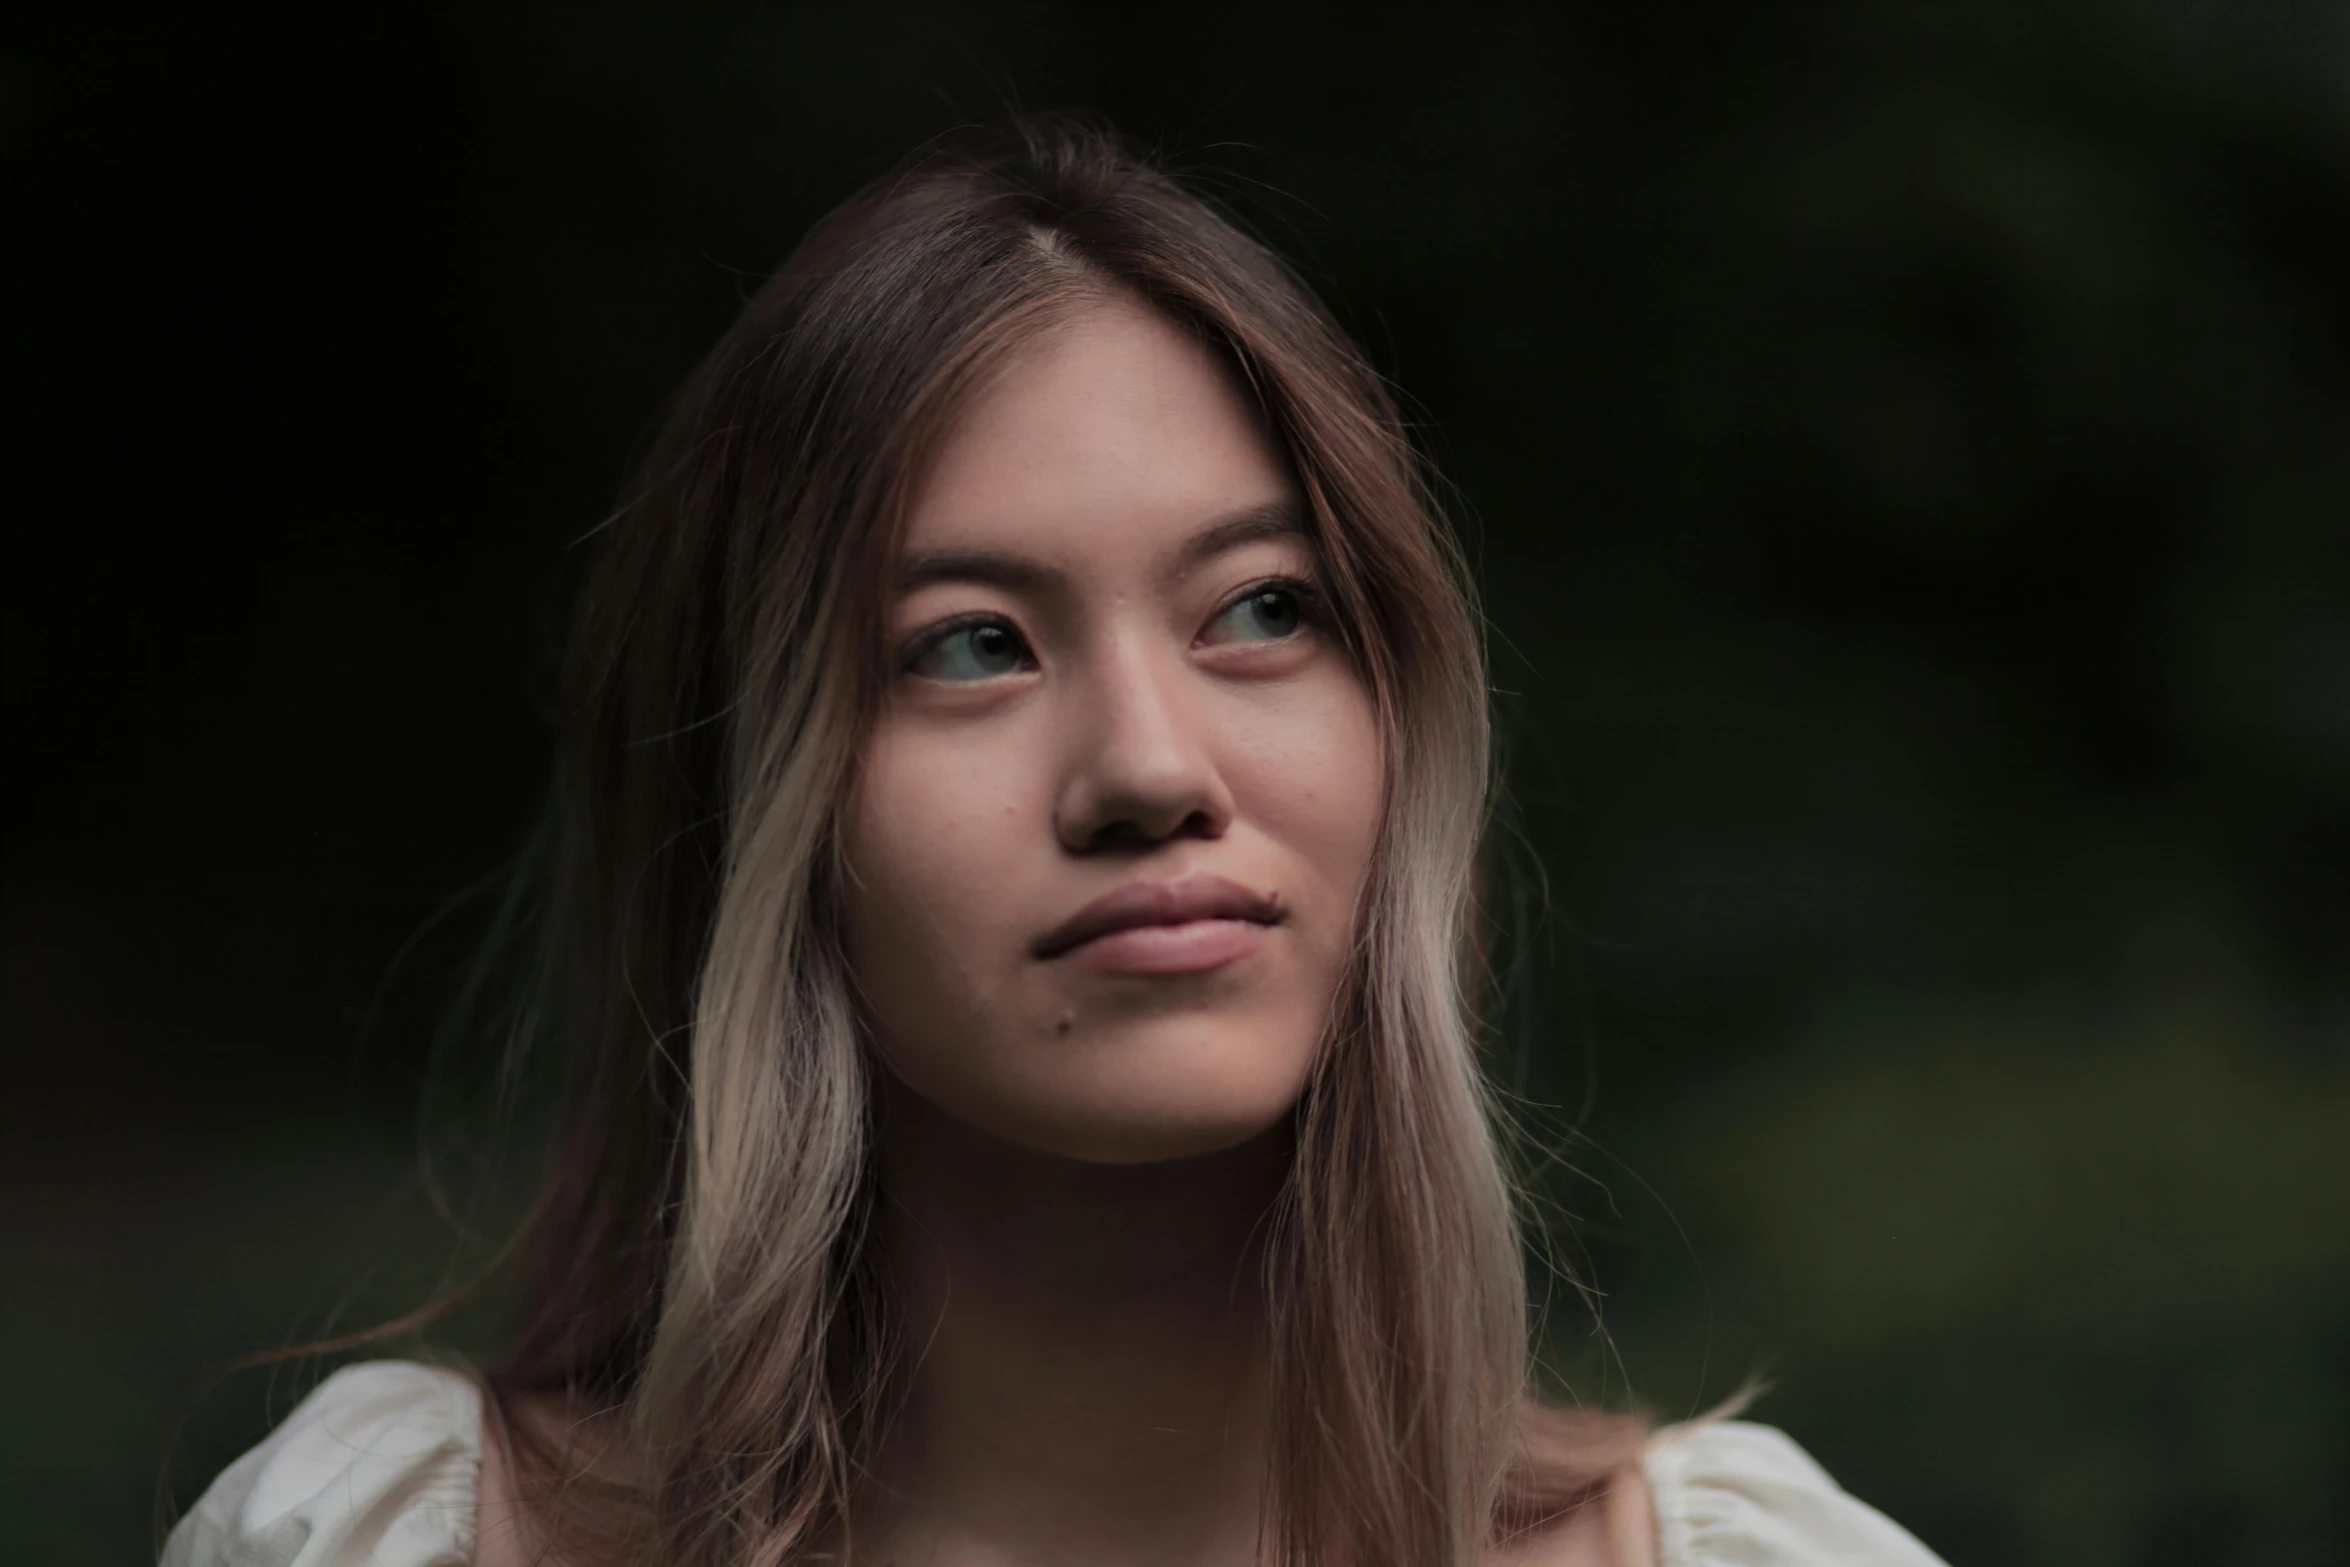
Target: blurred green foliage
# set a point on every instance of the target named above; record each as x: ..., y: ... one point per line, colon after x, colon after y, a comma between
x: 1906, y: 449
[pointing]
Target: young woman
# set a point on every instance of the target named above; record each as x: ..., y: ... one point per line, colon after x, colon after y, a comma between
x: 1010, y: 897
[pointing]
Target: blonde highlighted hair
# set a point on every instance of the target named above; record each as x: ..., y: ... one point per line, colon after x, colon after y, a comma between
x: 697, y: 1260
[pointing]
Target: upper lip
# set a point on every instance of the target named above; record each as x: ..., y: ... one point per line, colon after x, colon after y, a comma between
x: 1197, y: 896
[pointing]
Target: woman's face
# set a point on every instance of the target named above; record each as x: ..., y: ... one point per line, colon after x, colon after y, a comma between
x: 1119, y: 802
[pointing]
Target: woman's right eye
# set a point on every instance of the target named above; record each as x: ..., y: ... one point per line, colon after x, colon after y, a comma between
x: 981, y: 650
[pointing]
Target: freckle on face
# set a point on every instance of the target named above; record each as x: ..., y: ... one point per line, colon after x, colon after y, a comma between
x: 1130, y: 748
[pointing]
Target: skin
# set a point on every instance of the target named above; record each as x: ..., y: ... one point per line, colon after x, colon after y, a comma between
x: 1153, y: 730
x: 1075, y: 1162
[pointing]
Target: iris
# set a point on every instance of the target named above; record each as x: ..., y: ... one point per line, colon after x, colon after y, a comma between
x: 1265, y: 615
x: 979, y: 651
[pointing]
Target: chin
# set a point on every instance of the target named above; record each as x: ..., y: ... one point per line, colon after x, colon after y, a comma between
x: 1155, y: 1137
x: 1120, y: 1090
x: 1166, y: 1089
x: 1152, y: 1100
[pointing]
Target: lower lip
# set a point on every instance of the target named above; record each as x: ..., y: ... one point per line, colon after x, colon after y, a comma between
x: 1193, y: 947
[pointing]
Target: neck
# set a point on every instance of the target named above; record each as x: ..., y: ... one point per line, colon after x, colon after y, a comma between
x: 1088, y: 1350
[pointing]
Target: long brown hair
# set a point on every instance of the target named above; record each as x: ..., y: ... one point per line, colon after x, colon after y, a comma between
x: 698, y: 1267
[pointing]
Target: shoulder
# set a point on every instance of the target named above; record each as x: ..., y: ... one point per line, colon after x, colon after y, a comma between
x: 1611, y: 1528
x: 1729, y: 1492
x: 379, y: 1466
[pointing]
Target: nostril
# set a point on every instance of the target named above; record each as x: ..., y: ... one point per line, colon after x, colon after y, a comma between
x: 1138, y: 776
x: 1137, y: 832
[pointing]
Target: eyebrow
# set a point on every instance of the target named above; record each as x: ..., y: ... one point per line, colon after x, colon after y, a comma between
x: 1013, y: 573
x: 990, y: 568
x: 1273, y: 520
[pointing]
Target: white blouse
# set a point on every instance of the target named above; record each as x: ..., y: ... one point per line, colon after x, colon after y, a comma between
x: 378, y: 1468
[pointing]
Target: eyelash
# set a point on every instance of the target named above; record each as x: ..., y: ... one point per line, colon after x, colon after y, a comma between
x: 1310, y: 603
x: 1307, y: 592
x: 931, y: 636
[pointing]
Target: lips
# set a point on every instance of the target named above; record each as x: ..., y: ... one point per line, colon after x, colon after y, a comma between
x: 1191, y: 922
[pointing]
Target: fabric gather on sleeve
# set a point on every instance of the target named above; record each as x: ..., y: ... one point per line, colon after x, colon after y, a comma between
x: 379, y: 1467
x: 1733, y: 1494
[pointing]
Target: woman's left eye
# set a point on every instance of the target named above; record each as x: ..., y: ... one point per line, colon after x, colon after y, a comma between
x: 1265, y: 614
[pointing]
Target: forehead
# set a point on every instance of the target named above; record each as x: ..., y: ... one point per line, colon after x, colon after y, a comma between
x: 1115, y: 431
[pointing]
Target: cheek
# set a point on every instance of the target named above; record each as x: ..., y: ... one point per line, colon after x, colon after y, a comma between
x: 933, y: 845
x: 1310, y: 772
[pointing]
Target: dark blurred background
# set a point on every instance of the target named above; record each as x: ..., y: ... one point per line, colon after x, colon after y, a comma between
x: 1907, y: 452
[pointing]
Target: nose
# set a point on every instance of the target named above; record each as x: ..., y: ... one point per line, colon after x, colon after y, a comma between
x: 1141, y: 769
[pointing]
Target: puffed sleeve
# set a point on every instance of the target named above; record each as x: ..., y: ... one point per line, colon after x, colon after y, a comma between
x: 1731, y: 1494
x: 377, y: 1468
